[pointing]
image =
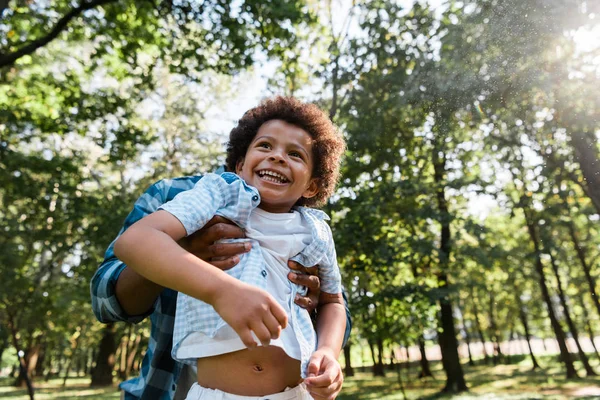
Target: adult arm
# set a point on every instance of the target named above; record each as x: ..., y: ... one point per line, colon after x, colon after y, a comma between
x: 137, y: 294
x: 149, y: 247
x: 119, y: 293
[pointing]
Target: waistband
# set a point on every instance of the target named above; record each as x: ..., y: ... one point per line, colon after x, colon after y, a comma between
x: 198, y: 392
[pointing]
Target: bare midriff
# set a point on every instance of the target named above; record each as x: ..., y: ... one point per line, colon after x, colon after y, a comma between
x: 257, y: 372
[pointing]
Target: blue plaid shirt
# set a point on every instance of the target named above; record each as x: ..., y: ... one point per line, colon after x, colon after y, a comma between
x: 159, y: 372
x: 229, y: 196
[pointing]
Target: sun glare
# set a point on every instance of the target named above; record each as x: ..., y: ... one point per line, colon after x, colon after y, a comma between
x: 587, y: 39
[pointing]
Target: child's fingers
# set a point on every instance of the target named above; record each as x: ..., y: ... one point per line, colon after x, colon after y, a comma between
x: 314, y: 365
x: 247, y: 338
x: 262, y: 333
x: 279, y: 314
x: 322, y: 381
x: 329, y: 392
x: 272, y: 325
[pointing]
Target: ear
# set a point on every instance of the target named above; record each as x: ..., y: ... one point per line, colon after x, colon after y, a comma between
x: 311, y: 189
x: 239, y: 165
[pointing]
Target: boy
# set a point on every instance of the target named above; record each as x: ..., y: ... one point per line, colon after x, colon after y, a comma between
x: 289, y: 152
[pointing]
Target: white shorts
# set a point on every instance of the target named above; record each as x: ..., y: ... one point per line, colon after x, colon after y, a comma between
x: 197, y: 392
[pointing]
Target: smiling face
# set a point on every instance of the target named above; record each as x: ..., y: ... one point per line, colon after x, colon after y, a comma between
x: 279, y: 163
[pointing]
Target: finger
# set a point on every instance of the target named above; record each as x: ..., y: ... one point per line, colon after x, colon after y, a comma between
x: 311, y: 282
x: 272, y: 325
x: 247, y: 338
x: 329, y: 392
x: 302, y: 269
x: 326, y: 379
x: 222, y: 230
x: 224, y: 250
x: 217, y: 219
x: 225, y: 264
x: 279, y: 314
x: 305, y: 302
x: 262, y: 333
x: 314, y: 365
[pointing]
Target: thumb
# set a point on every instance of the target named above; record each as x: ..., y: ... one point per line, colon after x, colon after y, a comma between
x: 314, y: 365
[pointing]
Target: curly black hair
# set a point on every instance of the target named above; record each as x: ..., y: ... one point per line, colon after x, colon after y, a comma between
x: 328, y: 143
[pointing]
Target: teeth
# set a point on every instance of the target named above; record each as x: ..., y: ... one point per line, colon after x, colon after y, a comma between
x: 272, y: 176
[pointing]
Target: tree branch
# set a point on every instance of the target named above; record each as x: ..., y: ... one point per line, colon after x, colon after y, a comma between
x: 10, y: 58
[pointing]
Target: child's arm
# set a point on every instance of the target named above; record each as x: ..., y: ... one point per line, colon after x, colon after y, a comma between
x: 324, y: 372
x: 150, y: 248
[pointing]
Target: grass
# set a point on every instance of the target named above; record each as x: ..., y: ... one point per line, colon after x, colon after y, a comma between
x: 506, y: 381
x: 77, y: 388
x: 514, y: 381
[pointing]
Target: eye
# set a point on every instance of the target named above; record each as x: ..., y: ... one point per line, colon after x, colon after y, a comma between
x: 295, y: 154
x: 264, y: 145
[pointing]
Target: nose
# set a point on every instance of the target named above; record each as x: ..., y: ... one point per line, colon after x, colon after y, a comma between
x: 276, y: 156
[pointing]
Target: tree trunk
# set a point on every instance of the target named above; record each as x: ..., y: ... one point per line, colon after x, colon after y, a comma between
x: 464, y: 328
x: 558, y: 331
x: 478, y: 326
x: 586, y: 154
x: 348, y: 370
x: 74, y: 347
x: 32, y: 357
x: 22, y: 363
x: 380, y: 355
x: 89, y: 359
x: 468, y: 341
x: 105, y: 361
x: 563, y: 301
x: 584, y: 265
x: 407, y: 360
x: 125, y: 344
x: 494, y: 329
x: 523, y: 318
x: 41, y: 363
x: 377, y: 366
x: 455, y: 379
x: 61, y: 366
x: 586, y: 321
x: 132, y: 354
x: 424, y: 362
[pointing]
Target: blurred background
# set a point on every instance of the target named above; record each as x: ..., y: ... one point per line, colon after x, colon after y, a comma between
x: 466, y: 220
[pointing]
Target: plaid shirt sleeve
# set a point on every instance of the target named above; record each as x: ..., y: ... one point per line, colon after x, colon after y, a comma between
x: 105, y: 305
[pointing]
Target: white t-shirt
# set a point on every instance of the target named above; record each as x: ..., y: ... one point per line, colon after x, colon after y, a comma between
x: 281, y: 236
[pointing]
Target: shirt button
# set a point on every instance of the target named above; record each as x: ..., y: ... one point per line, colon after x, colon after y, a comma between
x: 255, y: 198
x: 263, y: 273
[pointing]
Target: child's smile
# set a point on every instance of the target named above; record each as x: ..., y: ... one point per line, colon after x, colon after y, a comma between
x: 272, y: 176
x: 279, y: 163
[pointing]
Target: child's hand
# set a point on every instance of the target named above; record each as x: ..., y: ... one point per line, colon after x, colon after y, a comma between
x: 325, y: 377
x: 249, y: 309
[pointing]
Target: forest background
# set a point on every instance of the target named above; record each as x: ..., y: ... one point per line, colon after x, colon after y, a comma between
x: 469, y: 206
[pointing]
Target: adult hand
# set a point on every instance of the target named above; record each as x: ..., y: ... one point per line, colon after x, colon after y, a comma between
x: 325, y: 376
x: 308, y: 277
x: 221, y: 255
